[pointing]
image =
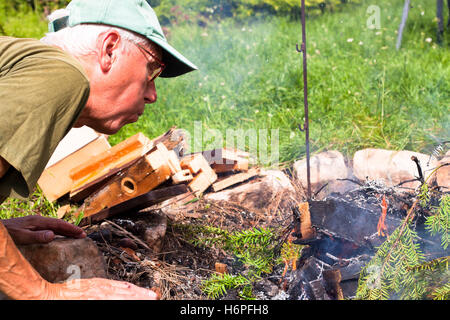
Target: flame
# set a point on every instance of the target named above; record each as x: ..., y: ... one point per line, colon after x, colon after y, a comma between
x: 381, y: 228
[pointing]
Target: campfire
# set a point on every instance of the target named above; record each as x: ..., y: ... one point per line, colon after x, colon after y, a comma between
x: 135, y: 200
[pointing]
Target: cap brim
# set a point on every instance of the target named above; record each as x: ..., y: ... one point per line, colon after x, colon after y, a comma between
x: 176, y: 63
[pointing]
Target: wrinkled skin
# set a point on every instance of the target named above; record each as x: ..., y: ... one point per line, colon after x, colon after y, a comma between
x: 38, y: 229
x: 20, y: 281
x: 98, y: 288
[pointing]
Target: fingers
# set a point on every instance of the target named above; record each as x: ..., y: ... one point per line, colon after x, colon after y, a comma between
x: 24, y: 236
x: 38, y: 229
x: 58, y: 226
x: 103, y: 289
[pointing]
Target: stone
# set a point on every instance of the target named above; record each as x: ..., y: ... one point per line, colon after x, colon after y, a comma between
x: 66, y: 259
x: 155, y: 230
x: 258, y: 194
x: 325, y: 168
x: 443, y: 173
x: 392, y: 167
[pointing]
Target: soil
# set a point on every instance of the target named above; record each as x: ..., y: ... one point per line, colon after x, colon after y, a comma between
x: 176, y: 268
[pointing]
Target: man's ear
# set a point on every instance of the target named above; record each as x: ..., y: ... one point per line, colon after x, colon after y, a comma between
x: 109, y: 46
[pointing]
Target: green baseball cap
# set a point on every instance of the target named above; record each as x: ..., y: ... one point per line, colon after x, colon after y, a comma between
x: 134, y: 15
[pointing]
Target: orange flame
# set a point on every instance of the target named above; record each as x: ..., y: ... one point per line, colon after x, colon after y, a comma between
x: 381, y: 228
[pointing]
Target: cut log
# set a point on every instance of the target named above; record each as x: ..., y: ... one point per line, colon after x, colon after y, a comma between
x: 99, y: 166
x: 226, y: 160
x: 55, y: 181
x: 234, y: 179
x: 139, y: 178
x: 204, y: 176
x: 174, y: 139
x: 140, y: 202
x: 332, y: 280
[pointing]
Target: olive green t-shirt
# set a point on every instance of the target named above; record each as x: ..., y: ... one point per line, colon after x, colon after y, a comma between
x: 42, y: 92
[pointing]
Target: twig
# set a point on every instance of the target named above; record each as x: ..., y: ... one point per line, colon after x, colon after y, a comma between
x: 351, y: 180
x: 419, y: 169
x: 320, y: 189
x: 132, y: 236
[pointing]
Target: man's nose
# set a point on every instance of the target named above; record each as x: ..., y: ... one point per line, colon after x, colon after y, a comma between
x: 150, y: 93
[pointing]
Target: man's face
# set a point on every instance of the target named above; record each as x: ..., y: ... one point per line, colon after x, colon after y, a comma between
x: 120, y: 90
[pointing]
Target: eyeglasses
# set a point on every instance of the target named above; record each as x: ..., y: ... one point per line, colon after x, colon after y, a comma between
x: 155, y: 71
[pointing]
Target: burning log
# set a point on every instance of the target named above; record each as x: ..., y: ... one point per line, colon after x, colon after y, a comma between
x: 349, y: 221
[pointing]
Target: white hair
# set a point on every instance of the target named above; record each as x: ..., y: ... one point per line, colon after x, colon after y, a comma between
x: 81, y: 39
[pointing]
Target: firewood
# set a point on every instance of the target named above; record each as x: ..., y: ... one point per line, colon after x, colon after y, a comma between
x: 174, y: 139
x: 100, y: 165
x: 349, y: 221
x: 204, y: 176
x: 234, y: 179
x: 182, y: 176
x: 332, y: 279
x: 55, y: 181
x: 305, y: 221
x: 226, y: 160
x: 137, y: 203
x: 132, y: 182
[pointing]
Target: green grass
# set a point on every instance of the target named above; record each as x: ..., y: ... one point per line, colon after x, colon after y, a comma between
x: 362, y: 93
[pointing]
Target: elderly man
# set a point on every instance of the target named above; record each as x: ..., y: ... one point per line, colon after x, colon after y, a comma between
x: 96, y: 67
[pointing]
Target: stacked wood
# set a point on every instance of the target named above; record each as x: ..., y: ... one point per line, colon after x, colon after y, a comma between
x: 105, y: 180
x: 55, y: 181
x: 107, y: 163
x: 226, y: 160
x: 203, y: 174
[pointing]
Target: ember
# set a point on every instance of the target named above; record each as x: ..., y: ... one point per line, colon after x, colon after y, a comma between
x: 381, y: 228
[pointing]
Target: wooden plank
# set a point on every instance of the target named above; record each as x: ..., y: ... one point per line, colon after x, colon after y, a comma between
x: 99, y: 166
x: 226, y: 160
x: 204, y: 176
x: 134, y: 181
x: 137, y: 203
x: 234, y: 179
x: 55, y: 181
x: 193, y: 162
x: 182, y: 176
x: 174, y: 139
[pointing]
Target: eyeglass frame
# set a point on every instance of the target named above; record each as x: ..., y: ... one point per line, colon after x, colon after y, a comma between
x: 162, y: 65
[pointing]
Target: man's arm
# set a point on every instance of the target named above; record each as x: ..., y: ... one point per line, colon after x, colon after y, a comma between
x: 37, y: 229
x: 20, y: 281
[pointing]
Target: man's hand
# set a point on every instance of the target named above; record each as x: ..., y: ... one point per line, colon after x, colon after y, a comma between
x: 38, y: 229
x: 97, y: 289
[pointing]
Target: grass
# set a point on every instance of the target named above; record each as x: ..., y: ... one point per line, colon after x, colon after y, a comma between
x: 362, y: 91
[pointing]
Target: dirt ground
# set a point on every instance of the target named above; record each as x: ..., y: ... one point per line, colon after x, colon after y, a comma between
x: 178, y: 267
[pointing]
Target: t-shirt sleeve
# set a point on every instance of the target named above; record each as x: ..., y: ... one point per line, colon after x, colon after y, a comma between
x: 40, y: 100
